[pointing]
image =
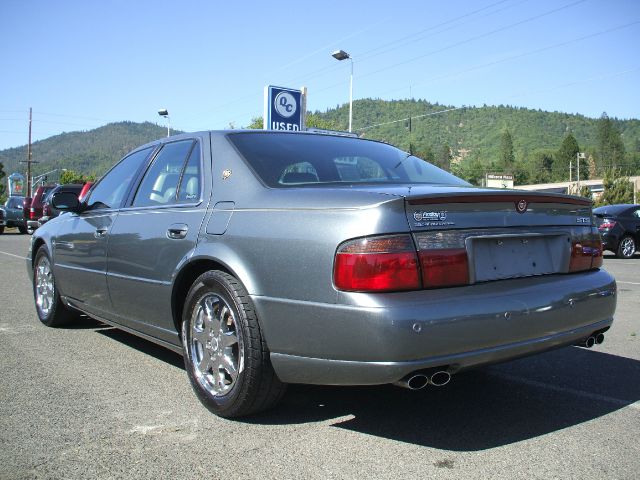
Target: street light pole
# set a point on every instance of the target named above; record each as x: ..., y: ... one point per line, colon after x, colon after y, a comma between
x: 163, y: 112
x: 35, y: 180
x: 342, y: 55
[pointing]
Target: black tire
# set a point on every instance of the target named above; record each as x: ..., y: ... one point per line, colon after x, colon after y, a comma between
x: 255, y: 387
x: 1, y: 230
x: 22, y: 230
x: 626, y: 247
x: 52, y: 313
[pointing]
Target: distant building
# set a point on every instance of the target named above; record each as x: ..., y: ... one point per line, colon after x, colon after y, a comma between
x: 595, y: 186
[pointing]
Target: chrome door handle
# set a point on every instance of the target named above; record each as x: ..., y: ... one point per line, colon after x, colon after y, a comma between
x: 177, y: 231
x: 100, y: 232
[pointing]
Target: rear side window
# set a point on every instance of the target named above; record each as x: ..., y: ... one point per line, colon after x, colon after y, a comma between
x: 109, y: 192
x: 284, y: 160
x: 160, y: 184
x: 189, y: 190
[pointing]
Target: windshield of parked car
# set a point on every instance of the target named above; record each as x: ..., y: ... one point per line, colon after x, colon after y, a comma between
x: 292, y: 160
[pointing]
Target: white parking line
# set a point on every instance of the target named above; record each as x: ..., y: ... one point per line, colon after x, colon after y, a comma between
x: 580, y: 393
x: 13, y: 255
x: 628, y: 283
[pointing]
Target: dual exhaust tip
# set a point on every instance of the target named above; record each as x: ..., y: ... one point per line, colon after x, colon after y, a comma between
x: 590, y: 341
x: 419, y: 380
x: 439, y: 378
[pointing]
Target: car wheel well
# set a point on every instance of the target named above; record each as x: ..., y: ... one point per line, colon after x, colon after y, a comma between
x: 183, y: 283
x: 36, y: 246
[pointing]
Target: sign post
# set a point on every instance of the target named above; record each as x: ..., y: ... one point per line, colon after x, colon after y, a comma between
x: 284, y: 108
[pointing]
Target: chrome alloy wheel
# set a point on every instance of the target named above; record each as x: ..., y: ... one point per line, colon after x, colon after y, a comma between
x: 628, y: 246
x: 215, y: 345
x: 44, y: 286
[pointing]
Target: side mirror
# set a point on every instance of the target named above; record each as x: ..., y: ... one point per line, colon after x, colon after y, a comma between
x: 66, y: 201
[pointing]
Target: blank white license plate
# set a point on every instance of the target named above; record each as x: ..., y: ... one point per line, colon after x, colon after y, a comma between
x: 510, y: 257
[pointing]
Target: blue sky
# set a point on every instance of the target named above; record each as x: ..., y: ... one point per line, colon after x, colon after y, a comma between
x: 82, y: 64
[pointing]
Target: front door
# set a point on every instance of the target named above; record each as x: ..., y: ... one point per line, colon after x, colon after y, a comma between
x: 80, y: 246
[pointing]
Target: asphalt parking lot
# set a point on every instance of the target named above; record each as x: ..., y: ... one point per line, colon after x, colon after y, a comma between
x: 95, y: 402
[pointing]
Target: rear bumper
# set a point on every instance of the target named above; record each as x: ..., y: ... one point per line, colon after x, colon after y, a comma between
x: 610, y: 241
x: 381, y: 338
x: 293, y: 369
x: 33, y: 224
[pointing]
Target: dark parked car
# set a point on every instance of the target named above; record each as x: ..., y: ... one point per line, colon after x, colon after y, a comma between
x: 35, y: 210
x: 268, y: 258
x: 48, y: 210
x: 619, y: 226
x: 13, y: 214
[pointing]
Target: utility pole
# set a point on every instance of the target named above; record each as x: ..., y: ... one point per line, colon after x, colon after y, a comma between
x: 29, y: 161
x: 570, y: 170
x: 579, y: 155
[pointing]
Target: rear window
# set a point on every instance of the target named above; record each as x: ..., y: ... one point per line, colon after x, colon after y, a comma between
x: 284, y: 160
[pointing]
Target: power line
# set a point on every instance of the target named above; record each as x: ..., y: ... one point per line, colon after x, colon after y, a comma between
x: 412, y: 117
x: 400, y: 43
x: 518, y: 56
x: 476, y: 37
x: 315, y: 73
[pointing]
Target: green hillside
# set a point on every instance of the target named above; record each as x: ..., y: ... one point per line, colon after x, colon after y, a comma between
x: 91, y: 152
x: 469, y: 141
x: 474, y: 135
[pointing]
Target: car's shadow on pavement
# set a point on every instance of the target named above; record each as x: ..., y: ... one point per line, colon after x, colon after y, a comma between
x: 477, y: 410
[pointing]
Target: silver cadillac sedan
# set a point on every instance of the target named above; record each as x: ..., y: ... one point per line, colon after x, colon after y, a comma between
x: 268, y: 258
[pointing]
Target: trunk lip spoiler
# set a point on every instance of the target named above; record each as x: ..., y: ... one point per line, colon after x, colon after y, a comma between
x: 500, y: 198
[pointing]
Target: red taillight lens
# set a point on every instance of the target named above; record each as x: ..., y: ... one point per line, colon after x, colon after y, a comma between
x: 586, y: 254
x: 444, y: 267
x: 607, y: 224
x: 32, y: 214
x: 377, y: 264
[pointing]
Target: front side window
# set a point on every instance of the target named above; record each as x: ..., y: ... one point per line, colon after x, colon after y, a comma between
x: 160, y: 183
x: 109, y: 192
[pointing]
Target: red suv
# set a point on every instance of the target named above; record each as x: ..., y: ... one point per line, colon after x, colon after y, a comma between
x: 35, y: 210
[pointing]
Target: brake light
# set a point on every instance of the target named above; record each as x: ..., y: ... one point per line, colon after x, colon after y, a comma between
x: 32, y: 214
x: 377, y: 264
x: 444, y: 267
x: 586, y: 254
x: 607, y: 224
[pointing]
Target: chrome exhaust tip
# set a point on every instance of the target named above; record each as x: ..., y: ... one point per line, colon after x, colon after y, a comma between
x: 413, y: 382
x: 587, y: 342
x: 417, y: 382
x: 440, y: 379
x: 599, y: 338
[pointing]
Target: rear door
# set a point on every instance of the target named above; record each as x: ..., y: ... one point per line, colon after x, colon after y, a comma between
x: 155, y: 234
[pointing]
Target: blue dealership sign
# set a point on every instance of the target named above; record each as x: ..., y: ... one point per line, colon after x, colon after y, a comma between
x: 283, y: 109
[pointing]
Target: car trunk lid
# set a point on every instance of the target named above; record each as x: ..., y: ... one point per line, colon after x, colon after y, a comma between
x: 486, y: 235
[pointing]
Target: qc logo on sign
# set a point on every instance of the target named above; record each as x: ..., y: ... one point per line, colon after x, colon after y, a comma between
x: 285, y: 105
